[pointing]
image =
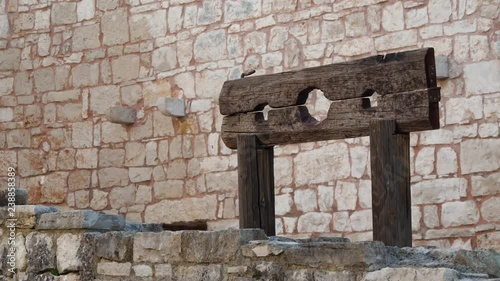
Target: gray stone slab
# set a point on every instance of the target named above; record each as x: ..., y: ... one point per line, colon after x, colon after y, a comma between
x: 171, y: 107
x: 442, y: 68
x: 84, y: 219
x: 122, y: 115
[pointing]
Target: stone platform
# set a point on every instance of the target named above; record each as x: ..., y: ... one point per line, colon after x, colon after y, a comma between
x: 87, y: 245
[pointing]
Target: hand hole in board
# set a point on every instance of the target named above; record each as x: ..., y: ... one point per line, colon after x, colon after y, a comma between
x: 317, y: 105
x: 370, y: 99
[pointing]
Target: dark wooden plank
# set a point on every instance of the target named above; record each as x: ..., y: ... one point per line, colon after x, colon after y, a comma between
x: 346, y: 119
x: 390, y: 168
x: 248, y: 182
x: 385, y: 74
x: 265, y: 166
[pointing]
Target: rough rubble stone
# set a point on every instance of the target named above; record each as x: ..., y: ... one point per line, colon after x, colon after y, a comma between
x: 114, y: 246
x: 67, y: 254
x: 171, y: 107
x: 41, y: 252
x: 157, y: 247
x: 84, y: 219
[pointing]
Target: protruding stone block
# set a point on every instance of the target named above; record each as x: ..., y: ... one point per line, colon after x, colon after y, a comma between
x: 442, y: 67
x: 171, y: 107
x: 84, y: 219
x: 122, y: 115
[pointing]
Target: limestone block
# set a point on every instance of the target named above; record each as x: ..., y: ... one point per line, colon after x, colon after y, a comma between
x: 54, y: 188
x: 261, y: 249
x: 449, y: 232
x: 85, y: 9
x: 157, y: 247
x: 41, y: 252
x: 488, y: 130
x: 438, y: 190
x: 137, y: 174
x: 165, y: 58
x: 463, y: 26
x: 44, y: 79
x: 210, y: 46
x: 115, y: 246
x: 490, y: 240
x: 175, y: 18
x: 479, y: 155
x: 111, y: 157
x: 114, y: 26
x: 114, y: 268
x: 189, y: 209
x: 163, y: 270
x: 122, y: 197
x: 439, y: 11
x: 482, y: 77
x: 485, y: 185
x: 464, y: 109
x: 210, y: 12
x: 446, y: 161
x: 131, y: 95
x: 84, y: 219
x: 239, y: 10
x: 314, y: 222
x: 323, y: 164
x: 142, y: 270
x: 283, y: 204
x: 393, y: 17
x: 216, y: 247
x: 409, y: 273
x: 122, y: 115
x: 171, y: 107
x: 63, y: 13
x: 99, y: 200
x: 146, y: 26
x: 424, y: 162
x: 169, y: 189
x: 113, y: 133
x: 490, y: 209
x: 10, y: 59
x: 363, y: 221
x: 431, y: 216
x: 6, y: 114
x: 85, y: 75
x: 67, y: 253
x: 396, y: 40
x: 346, y: 195
x: 325, y: 198
x: 125, y: 68
x: 86, y: 37
x: 305, y: 200
x: 198, y: 272
x: 416, y: 17
x: 459, y: 213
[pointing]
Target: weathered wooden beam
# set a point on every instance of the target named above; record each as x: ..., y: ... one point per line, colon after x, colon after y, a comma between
x: 265, y: 167
x: 255, y: 185
x: 385, y: 74
x: 412, y: 111
x: 390, y: 174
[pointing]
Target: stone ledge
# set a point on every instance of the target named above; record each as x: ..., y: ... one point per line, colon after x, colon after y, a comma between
x: 26, y: 215
x: 84, y: 219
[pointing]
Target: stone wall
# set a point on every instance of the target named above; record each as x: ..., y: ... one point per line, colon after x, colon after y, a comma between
x: 64, y: 64
x: 87, y: 245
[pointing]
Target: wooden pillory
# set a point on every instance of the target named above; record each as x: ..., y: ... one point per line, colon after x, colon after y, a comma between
x: 407, y: 102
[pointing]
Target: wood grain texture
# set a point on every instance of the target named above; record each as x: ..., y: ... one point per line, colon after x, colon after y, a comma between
x: 248, y: 182
x: 265, y: 166
x: 385, y: 74
x: 413, y: 111
x: 390, y: 173
x: 256, y: 185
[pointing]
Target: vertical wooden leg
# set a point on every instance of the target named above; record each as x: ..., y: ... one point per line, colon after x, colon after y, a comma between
x: 265, y: 165
x: 256, y: 185
x: 391, y: 197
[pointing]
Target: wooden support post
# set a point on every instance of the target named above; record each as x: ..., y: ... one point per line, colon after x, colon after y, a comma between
x: 391, y: 197
x: 256, y: 185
